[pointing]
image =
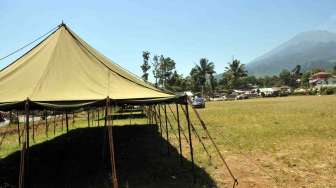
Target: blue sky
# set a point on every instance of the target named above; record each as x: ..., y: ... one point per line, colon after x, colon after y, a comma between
x: 183, y: 30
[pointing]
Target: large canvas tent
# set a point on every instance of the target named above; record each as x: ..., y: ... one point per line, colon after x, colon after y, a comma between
x: 63, y: 73
x: 64, y: 69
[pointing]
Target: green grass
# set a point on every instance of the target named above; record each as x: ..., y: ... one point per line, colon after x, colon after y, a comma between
x: 284, y: 142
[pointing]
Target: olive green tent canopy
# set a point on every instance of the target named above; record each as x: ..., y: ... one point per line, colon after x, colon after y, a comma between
x: 63, y: 68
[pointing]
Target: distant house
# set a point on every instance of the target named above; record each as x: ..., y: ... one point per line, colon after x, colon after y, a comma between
x: 322, y: 79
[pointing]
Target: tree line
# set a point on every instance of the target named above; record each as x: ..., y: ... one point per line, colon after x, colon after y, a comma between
x: 202, y: 77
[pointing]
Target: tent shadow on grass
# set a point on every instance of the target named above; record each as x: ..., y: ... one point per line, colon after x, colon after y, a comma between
x: 77, y: 159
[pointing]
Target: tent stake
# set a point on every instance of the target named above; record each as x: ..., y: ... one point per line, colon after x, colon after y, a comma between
x: 190, y: 143
x: 179, y: 132
x: 167, y: 134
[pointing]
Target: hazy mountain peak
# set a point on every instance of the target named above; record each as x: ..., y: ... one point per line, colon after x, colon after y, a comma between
x: 311, y: 49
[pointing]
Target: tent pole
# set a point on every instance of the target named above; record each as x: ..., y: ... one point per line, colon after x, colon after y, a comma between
x: 88, y: 117
x: 46, y: 122
x: 155, y: 115
x: 151, y: 114
x: 92, y: 117
x: 62, y: 120
x: 26, y: 159
x: 130, y: 117
x: 160, y: 121
x: 54, y: 122
x: 147, y: 114
x: 111, y: 143
x: 73, y: 119
x: 190, y: 143
x: 105, y: 119
x: 18, y: 127
x: 167, y: 134
x: 33, y: 127
x: 67, y: 121
x: 98, y: 116
x: 179, y: 132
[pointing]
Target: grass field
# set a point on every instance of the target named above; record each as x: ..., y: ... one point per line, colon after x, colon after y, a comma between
x: 293, y: 139
x: 270, y: 142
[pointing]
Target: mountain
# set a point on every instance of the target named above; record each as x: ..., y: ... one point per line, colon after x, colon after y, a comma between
x: 312, y: 49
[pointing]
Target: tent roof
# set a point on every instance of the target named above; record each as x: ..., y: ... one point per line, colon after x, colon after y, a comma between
x: 63, y: 67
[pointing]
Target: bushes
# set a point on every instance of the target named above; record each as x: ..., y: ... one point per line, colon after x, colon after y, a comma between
x: 327, y: 90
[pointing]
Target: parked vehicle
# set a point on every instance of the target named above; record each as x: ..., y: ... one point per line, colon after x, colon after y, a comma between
x: 198, y: 102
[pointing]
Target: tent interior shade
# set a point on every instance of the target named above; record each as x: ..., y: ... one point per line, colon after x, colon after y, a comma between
x: 64, y: 68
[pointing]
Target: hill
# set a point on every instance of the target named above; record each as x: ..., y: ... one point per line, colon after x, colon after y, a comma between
x: 312, y: 49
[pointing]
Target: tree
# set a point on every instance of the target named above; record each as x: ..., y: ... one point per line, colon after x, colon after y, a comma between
x: 145, y: 66
x: 156, y: 70
x: 166, y: 67
x: 285, y: 77
x: 296, y: 75
x: 305, y: 79
x: 234, y: 72
x: 200, y: 73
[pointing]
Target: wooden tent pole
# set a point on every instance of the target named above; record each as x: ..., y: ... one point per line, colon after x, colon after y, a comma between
x: 98, y: 116
x: 33, y: 127
x: 92, y: 117
x: 18, y: 127
x: 26, y: 155
x: 179, y: 132
x: 105, y: 119
x: 67, y: 121
x: 147, y: 114
x: 62, y: 120
x: 167, y: 134
x: 73, y: 119
x: 46, y: 122
x: 155, y: 115
x: 190, y: 143
x: 111, y: 143
x: 54, y: 122
x: 88, y: 117
x: 160, y: 121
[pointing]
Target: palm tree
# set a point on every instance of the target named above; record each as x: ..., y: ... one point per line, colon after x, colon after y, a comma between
x: 235, y: 70
x: 204, y: 69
